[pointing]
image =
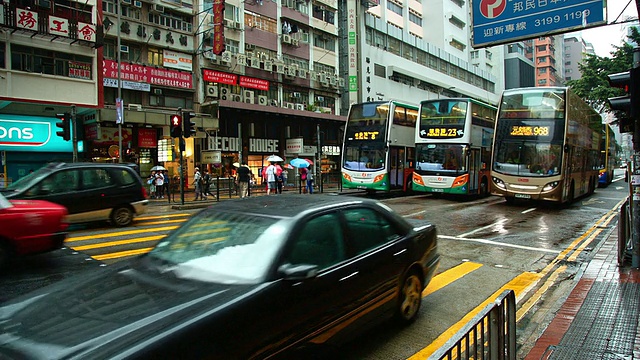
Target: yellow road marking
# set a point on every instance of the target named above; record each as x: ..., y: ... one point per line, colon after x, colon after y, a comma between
x: 449, y: 276
x: 119, y: 233
x: 117, y: 243
x: 538, y: 294
x: 122, y: 254
x: 161, y: 216
x: 163, y: 222
x: 203, y: 232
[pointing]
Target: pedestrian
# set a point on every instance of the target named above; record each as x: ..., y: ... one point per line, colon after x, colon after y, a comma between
x: 303, y: 179
x: 206, y: 183
x: 271, y: 178
x: 244, y: 177
x: 159, y: 185
x: 197, y: 182
x: 279, y: 178
x: 166, y: 187
x: 310, y: 181
x: 151, y: 180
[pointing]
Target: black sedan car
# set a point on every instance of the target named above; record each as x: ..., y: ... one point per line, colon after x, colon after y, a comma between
x: 245, y: 279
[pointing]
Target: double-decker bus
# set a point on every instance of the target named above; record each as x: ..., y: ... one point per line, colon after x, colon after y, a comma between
x: 453, y: 146
x: 378, y: 148
x: 546, y: 145
x: 607, y: 156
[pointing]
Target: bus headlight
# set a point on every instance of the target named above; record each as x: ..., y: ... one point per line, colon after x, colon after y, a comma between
x: 346, y: 176
x: 550, y: 186
x: 378, y: 178
x: 460, y: 180
x: 499, y: 183
x: 418, y: 179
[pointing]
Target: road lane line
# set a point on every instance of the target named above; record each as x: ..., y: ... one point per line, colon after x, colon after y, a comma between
x: 528, y: 211
x: 162, y: 222
x: 415, y: 214
x: 122, y: 254
x: 118, y: 243
x: 497, y: 243
x: 499, y: 222
x: 162, y: 216
x: 119, y: 233
x: 449, y: 276
x: 538, y: 294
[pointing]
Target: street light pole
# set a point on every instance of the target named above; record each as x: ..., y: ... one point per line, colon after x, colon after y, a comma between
x: 119, y: 58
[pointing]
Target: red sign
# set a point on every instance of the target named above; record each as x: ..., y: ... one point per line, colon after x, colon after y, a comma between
x: 147, y: 138
x: 219, y: 77
x: 147, y: 74
x: 218, y: 27
x: 254, y: 83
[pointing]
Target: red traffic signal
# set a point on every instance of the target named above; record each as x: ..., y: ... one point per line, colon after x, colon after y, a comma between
x: 176, y: 126
x: 64, y: 124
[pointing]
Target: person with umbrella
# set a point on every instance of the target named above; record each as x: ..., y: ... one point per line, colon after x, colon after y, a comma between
x: 271, y: 173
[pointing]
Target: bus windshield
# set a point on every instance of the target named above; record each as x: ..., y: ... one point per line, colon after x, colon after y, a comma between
x: 367, y: 122
x: 441, y: 158
x: 364, y: 156
x: 441, y: 119
x: 536, y: 103
x: 528, y: 158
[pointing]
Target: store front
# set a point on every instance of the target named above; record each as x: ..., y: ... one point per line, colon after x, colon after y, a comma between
x: 28, y: 143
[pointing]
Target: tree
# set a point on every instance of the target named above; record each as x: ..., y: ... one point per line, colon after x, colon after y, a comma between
x: 593, y: 86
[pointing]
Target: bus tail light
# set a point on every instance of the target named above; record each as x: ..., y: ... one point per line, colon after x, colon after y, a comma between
x: 550, y: 186
x: 499, y: 183
x: 418, y: 179
x: 346, y: 176
x: 460, y: 180
x: 378, y: 178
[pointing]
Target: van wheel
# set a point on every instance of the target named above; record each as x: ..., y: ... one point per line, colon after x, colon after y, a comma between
x: 410, y: 298
x: 122, y: 216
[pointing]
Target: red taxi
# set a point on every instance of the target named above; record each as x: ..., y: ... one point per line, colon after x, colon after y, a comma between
x: 30, y: 227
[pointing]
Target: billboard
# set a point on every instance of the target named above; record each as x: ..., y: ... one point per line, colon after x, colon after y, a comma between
x: 497, y: 22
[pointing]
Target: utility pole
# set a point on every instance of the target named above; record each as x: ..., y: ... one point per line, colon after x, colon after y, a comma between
x: 74, y: 129
x: 119, y: 99
x: 319, y: 160
x: 635, y: 164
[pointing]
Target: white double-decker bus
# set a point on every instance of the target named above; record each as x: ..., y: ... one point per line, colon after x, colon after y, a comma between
x: 453, y: 146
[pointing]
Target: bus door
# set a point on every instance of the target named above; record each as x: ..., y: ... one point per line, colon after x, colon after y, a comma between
x: 475, y: 165
x: 396, y: 166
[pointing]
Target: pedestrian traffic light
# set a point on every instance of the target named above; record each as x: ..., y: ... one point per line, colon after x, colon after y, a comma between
x: 64, y: 124
x: 622, y: 81
x: 176, y: 126
x: 189, y: 125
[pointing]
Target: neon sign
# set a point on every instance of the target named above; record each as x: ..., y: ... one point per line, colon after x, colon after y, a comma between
x: 366, y: 135
x: 530, y: 131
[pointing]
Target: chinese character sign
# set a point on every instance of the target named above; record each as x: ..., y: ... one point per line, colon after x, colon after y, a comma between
x: 26, y: 19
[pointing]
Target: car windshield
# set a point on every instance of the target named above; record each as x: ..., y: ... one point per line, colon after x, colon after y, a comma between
x: 220, y: 247
x: 26, y: 180
x: 4, y: 203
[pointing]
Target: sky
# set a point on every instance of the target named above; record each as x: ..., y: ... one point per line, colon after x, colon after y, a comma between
x: 602, y: 37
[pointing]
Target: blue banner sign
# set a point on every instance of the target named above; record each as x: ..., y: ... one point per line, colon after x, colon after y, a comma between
x: 504, y: 21
x: 31, y: 133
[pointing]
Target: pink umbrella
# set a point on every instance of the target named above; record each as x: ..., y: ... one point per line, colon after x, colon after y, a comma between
x: 309, y: 161
x: 288, y: 166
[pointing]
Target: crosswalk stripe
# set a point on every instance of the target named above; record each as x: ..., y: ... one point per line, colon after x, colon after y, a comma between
x: 117, y: 243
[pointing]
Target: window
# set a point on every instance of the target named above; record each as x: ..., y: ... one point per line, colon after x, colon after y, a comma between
x: 44, y: 61
x: 368, y: 230
x: 457, y: 22
x: 95, y: 179
x: 541, y: 48
x: 61, y: 182
x: 261, y: 22
x: 416, y: 19
x: 475, y: 54
x: 319, y: 243
x: 155, y: 57
x: 3, y: 50
x: 324, y: 41
x: 394, y: 7
x: 379, y: 70
x: 176, y: 22
x: 488, y: 54
x: 542, y: 71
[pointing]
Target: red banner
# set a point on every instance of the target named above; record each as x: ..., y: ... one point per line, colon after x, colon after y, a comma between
x: 147, y: 74
x: 147, y: 138
x: 219, y: 77
x: 254, y: 83
x: 218, y: 27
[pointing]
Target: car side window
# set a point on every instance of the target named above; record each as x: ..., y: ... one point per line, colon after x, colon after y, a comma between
x: 367, y: 229
x: 58, y: 183
x: 95, y: 179
x: 320, y: 242
x: 124, y: 176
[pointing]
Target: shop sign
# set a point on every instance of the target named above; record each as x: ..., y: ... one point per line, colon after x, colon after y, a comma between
x: 147, y: 138
x: 308, y: 150
x: 254, y: 83
x: 263, y: 145
x: 211, y: 157
x: 176, y: 60
x: 26, y: 19
x: 147, y: 74
x: 294, y: 146
x: 129, y: 85
x: 58, y: 26
x: 165, y: 150
x: 219, y: 77
x: 331, y: 150
x: 111, y: 136
x: 225, y: 143
x: 79, y: 70
x: 91, y: 132
x: 31, y: 133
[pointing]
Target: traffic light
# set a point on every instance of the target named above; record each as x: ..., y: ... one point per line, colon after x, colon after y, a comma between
x: 189, y: 125
x: 65, y: 126
x: 176, y: 126
x: 622, y: 81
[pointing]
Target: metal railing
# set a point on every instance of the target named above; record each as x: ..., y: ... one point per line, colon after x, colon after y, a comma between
x: 491, y: 334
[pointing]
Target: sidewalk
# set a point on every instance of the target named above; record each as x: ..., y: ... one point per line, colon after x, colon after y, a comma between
x: 600, y: 318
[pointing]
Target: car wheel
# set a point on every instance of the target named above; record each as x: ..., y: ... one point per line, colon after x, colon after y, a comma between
x: 122, y: 216
x: 410, y: 298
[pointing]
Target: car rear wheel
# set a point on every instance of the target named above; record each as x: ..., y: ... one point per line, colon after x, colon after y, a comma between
x: 122, y: 216
x: 410, y: 298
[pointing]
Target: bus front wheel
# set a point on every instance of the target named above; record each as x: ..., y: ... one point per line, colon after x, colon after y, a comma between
x: 510, y: 200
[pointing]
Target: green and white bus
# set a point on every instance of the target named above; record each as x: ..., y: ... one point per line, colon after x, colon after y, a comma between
x: 378, y: 148
x: 453, y: 146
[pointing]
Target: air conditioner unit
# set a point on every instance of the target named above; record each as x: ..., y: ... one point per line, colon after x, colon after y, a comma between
x: 237, y: 26
x: 263, y: 100
x: 268, y: 66
x: 286, y: 39
x: 236, y: 97
x: 209, y: 55
x: 225, y: 97
x: 299, y: 106
x: 255, y: 63
x: 124, y: 49
x: 273, y: 102
x: 211, y: 91
x: 320, y: 98
x: 137, y: 4
x: 248, y: 96
x: 280, y: 68
x: 157, y: 8
x: 157, y: 91
x: 290, y: 106
x: 295, y: 42
x: 225, y: 91
x: 227, y: 23
x: 136, y: 107
x: 249, y: 47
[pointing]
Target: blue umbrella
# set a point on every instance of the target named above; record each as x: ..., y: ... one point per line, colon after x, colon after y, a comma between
x: 299, y: 163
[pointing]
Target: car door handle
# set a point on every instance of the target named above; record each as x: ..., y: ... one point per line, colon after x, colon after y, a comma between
x: 400, y: 252
x: 349, y: 276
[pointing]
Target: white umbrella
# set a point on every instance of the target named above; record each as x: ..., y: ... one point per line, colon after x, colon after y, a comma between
x: 158, y: 168
x: 236, y: 164
x: 274, y: 158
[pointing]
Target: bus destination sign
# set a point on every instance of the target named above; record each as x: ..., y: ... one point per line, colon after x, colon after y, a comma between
x: 366, y: 135
x: 442, y: 132
x: 530, y: 131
